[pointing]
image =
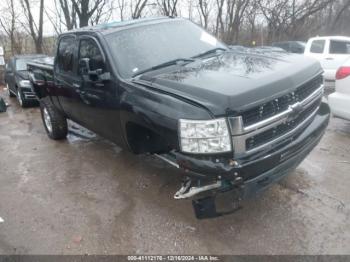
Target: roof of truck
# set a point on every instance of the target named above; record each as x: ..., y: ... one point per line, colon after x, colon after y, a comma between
x: 106, y: 28
x: 335, y: 37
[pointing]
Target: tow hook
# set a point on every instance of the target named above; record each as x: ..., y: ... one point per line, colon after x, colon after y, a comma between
x: 186, y: 191
x: 205, y: 207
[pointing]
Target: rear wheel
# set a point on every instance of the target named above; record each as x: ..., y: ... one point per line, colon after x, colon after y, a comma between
x: 9, y: 93
x: 55, y: 123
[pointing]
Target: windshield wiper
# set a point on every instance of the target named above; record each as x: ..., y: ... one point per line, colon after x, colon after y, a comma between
x: 209, y: 52
x: 169, y: 63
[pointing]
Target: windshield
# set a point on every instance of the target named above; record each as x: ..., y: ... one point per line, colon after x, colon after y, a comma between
x: 21, y: 64
x: 143, y: 47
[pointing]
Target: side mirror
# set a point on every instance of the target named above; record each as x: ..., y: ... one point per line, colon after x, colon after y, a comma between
x: 84, y: 66
x: 95, y: 75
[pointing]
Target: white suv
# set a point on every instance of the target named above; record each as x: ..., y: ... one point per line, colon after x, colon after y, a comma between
x: 339, y: 101
x: 331, y: 51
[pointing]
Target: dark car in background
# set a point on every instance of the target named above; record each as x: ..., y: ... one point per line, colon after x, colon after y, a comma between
x: 17, y: 78
x: 291, y: 46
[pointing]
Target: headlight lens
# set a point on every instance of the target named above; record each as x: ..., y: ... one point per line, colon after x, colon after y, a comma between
x: 204, y: 136
x: 24, y: 83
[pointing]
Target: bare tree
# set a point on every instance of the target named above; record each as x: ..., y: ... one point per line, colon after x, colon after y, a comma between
x: 69, y: 13
x: 276, y: 15
x: 121, y: 6
x: 35, y: 29
x: 103, y: 13
x: 219, y: 26
x: 137, y: 8
x: 168, y: 7
x: 339, y: 13
x: 236, y: 10
x: 86, y: 9
x: 288, y: 19
x: 251, y: 17
x: 204, y: 12
x: 8, y: 22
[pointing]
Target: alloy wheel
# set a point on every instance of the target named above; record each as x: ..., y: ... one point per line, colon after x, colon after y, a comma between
x: 19, y: 97
x: 8, y: 90
x: 47, y: 120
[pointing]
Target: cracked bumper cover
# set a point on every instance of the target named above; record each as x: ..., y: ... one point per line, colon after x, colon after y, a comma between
x: 264, y: 168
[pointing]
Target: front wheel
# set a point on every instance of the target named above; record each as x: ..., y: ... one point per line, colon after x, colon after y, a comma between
x: 21, y: 99
x: 9, y: 93
x: 55, y: 123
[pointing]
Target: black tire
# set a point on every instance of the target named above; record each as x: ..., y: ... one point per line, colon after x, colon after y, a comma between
x: 21, y: 100
x: 9, y: 93
x: 58, y: 129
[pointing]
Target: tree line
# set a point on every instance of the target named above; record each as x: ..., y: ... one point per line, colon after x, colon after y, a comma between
x: 238, y: 22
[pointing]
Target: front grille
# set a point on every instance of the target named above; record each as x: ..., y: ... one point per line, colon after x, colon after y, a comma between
x: 281, y: 103
x: 279, y: 130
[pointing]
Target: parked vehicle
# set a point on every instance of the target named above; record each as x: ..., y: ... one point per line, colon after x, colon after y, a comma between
x: 265, y: 49
x: 234, y: 122
x: 17, y: 81
x: 297, y: 47
x: 339, y: 101
x: 332, y: 52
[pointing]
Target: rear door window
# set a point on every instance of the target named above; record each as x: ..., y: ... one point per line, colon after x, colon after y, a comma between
x: 339, y: 47
x: 317, y: 46
x: 65, y: 56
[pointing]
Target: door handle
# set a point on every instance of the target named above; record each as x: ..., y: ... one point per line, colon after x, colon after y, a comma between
x: 76, y: 85
x: 99, y: 84
x: 329, y: 58
x: 81, y: 92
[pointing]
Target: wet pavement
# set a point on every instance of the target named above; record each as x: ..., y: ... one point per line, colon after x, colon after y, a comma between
x: 85, y: 195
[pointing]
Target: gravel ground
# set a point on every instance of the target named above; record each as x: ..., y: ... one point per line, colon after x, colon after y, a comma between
x: 87, y: 196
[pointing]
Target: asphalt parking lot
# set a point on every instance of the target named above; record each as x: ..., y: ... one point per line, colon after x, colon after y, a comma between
x: 85, y: 195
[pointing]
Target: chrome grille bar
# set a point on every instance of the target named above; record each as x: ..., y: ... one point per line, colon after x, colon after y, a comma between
x: 236, y: 123
x: 241, y: 133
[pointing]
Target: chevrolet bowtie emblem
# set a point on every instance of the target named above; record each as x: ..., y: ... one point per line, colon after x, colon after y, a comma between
x: 296, y: 109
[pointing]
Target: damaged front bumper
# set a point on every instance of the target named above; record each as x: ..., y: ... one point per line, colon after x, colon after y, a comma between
x: 251, y: 174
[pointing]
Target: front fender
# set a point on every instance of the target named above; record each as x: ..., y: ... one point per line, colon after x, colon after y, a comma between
x: 157, y: 112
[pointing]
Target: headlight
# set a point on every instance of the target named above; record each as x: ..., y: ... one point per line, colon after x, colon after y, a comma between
x: 24, y: 83
x: 204, y: 136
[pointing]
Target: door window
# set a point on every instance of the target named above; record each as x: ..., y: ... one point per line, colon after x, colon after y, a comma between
x: 339, y: 47
x: 65, y: 56
x: 89, y: 49
x: 317, y: 46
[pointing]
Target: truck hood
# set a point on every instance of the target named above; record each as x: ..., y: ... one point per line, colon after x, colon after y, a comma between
x: 233, y: 81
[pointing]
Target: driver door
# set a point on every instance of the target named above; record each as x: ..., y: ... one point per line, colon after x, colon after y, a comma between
x: 97, y: 97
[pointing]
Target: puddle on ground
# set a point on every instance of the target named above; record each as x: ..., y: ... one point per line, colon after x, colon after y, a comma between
x: 298, y: 180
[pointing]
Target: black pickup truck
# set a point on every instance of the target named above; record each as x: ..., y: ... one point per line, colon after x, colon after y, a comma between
x: 234, y: 121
